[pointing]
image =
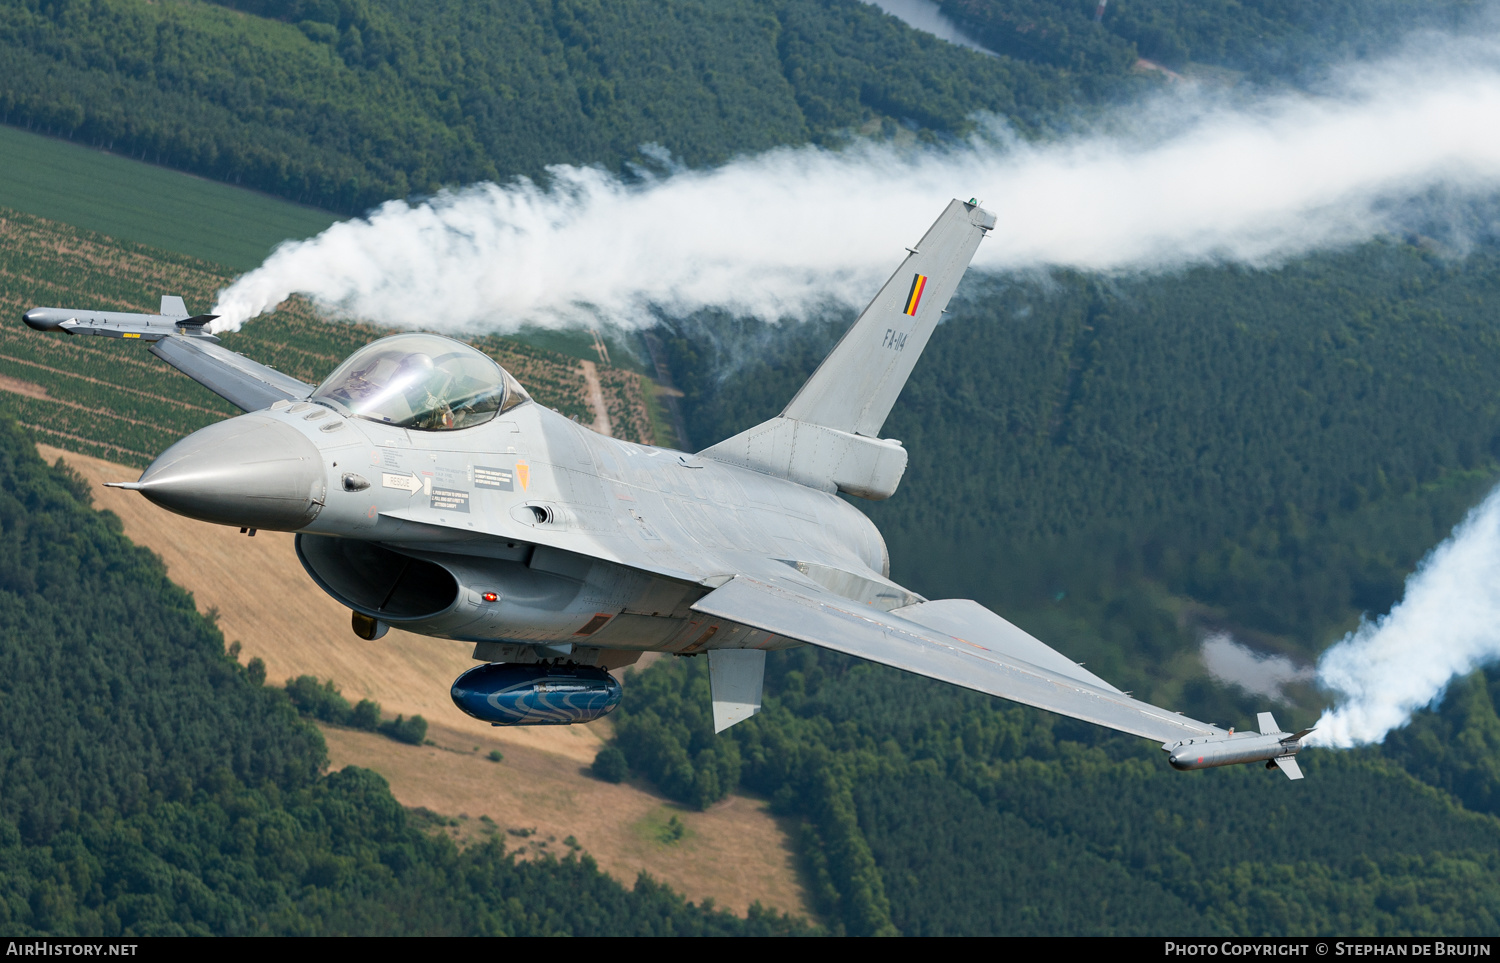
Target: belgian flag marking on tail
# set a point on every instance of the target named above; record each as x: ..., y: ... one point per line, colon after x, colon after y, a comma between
x: 918, y: 285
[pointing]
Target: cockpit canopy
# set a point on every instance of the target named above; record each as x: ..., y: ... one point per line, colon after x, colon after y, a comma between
x: 422, y: 381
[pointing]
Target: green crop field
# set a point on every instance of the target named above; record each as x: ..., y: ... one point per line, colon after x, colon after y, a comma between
x: 140, y: 202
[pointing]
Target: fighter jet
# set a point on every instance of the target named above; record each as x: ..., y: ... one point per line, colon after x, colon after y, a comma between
x: 428, y: 491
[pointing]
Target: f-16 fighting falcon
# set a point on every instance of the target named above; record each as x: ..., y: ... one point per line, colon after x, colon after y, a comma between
x: 428, y: 491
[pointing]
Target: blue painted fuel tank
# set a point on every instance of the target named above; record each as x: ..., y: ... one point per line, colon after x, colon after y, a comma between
x: 507, y: 694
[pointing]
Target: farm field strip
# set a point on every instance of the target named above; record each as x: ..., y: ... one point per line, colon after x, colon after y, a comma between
x: 41, y: 370
x: 86, y: 446
x: 145, y: 203
x: 38, y: 393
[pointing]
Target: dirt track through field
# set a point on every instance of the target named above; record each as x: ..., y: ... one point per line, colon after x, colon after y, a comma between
x: 735, y: 852
x: 595, y: 392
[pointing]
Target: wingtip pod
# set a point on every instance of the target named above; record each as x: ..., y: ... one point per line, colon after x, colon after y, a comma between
x: 174, y: 320
x: 1277, y: 749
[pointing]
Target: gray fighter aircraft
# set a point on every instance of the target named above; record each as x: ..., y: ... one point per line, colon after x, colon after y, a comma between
x: 429, y: 492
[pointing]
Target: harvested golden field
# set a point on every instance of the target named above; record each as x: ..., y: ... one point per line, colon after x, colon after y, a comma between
x: 735, y: 852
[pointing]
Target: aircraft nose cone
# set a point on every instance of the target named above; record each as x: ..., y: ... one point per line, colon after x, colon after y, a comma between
x: 251, y: 471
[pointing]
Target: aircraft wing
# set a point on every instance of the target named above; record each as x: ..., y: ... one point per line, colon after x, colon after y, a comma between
x: 954, y: 640
x: 182, y: 342
x: 248, y: 385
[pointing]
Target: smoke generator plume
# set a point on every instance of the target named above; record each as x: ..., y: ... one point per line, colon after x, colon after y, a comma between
x: 791, y: 231
x: 1447, y: 625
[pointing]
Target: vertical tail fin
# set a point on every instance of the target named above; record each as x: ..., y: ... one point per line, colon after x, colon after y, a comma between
x: 855, y: 387
x: 827, y: 437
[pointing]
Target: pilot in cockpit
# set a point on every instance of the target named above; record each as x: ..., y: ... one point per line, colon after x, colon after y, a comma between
x: 425, y: 388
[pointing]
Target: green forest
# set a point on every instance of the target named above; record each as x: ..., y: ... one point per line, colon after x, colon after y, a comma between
x: 1267, y: 40
x: 343, y: 104
x: 929, y: 811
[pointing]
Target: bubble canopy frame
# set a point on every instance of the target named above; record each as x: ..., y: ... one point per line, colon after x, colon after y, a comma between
x: 424, y: 382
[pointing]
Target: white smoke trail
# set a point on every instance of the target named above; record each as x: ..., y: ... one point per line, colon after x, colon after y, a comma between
x: 1256, y: 673
x: 1447, y: 625
x: 789, y: 231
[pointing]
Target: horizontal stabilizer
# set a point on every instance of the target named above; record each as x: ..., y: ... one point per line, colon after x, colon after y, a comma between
x: 1288, y: 765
